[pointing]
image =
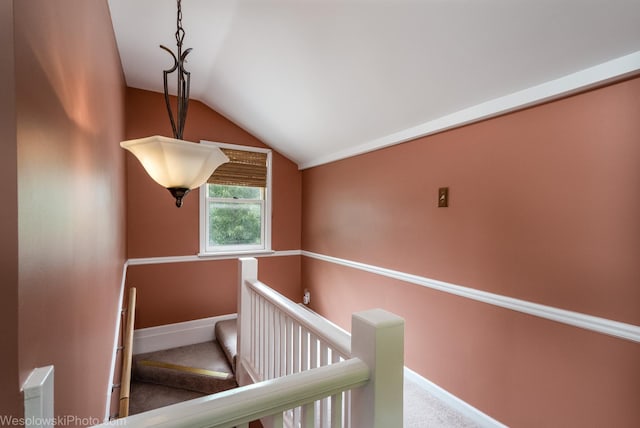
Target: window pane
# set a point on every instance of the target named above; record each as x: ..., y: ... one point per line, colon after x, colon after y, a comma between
x: 234, y: 223
x: 234, y: 192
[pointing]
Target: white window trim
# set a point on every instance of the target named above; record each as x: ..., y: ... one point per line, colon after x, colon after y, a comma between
x: 266, y: 248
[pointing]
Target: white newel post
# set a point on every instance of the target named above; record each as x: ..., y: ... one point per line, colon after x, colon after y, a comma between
x: 38, y: 398
x: 377, y: 338
x: 247, y: 271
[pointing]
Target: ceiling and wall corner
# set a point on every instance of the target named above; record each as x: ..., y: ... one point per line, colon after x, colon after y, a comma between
x: 324, y: 80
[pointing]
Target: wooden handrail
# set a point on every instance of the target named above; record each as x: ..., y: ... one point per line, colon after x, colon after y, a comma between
x: 238, y: 406
x: 125, y: 383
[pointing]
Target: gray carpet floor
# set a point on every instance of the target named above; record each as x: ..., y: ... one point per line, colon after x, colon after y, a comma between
x: 423, y: 410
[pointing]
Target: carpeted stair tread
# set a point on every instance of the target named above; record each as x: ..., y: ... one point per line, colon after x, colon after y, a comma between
x: 227, y: 337
x: 202, y: 367
x: 149, y: 396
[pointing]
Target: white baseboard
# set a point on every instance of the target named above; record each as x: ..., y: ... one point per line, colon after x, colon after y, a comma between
x: 482, y: 419
x: 168, y: 336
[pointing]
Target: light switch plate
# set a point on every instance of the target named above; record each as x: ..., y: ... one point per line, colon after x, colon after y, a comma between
x: 443, y: 197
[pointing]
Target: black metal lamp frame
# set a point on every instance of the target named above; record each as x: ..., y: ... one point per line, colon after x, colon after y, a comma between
x: 184, y: 83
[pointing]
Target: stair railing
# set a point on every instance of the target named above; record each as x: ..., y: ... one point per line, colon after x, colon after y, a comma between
x: 237, y: 407
x: 338, y: 381
x: 277, y: 337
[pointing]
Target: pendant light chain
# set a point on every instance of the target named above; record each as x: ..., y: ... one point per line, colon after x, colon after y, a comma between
x: 184, y: 80
x: 180, y: 30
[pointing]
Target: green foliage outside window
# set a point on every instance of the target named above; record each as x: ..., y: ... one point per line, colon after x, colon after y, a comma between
x: 235, y: 222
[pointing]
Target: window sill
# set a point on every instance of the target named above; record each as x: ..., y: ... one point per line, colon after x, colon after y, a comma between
x: 228, y: 254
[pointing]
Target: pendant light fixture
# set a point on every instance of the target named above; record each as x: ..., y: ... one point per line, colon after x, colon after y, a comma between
x: 175, y: 164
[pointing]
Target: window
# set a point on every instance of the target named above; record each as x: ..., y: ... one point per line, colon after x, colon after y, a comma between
x: 235, y: 206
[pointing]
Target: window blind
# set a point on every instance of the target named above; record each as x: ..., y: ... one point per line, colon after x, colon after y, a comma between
x: 244, y: 168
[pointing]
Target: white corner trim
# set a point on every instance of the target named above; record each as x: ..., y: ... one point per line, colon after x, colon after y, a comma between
x: 567, y: 85
x: 282, y: 253
x: 168, y: 336
x: 160, y: 260
x: 116, y: 336
x: 462, y: 407
x: 589, y: 322
x: 38, y: 398
x: 210, y: 257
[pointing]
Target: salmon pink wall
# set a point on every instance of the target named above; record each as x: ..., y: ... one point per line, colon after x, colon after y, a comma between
x: 10, y: 403
x: 70, y: 176
x: 156, y: 228
x: 174, y: 292
x: 543, y: 207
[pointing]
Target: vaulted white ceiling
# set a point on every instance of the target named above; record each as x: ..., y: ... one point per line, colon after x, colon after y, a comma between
x: 319, y: 80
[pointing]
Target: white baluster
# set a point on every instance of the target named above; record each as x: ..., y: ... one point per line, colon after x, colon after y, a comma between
x: 262, y: 344
x: 277, y: 420
x: 283, y: 344
x: 304, y: 347
x: 337, y: 401
x: 290, y: 345
x: 336, y: 411
x: 251, y: 355
x: 270, y: 340
x: 297, y: 359
x: 346, y: 396
x: 324, y: 403
x: 276, y: 343
x: 308, y: 415
x: 296, y: 347
x: 313, y: 351
x: 314, y: 360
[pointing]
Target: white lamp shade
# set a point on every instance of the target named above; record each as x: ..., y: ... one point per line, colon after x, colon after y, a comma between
x: 176, y: 163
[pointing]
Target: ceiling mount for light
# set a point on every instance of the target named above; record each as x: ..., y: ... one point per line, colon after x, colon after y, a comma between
x: 176, y: 164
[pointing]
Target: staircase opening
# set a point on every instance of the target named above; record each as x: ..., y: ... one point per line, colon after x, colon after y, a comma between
x: 274, y: 362
x: 170, y: 376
